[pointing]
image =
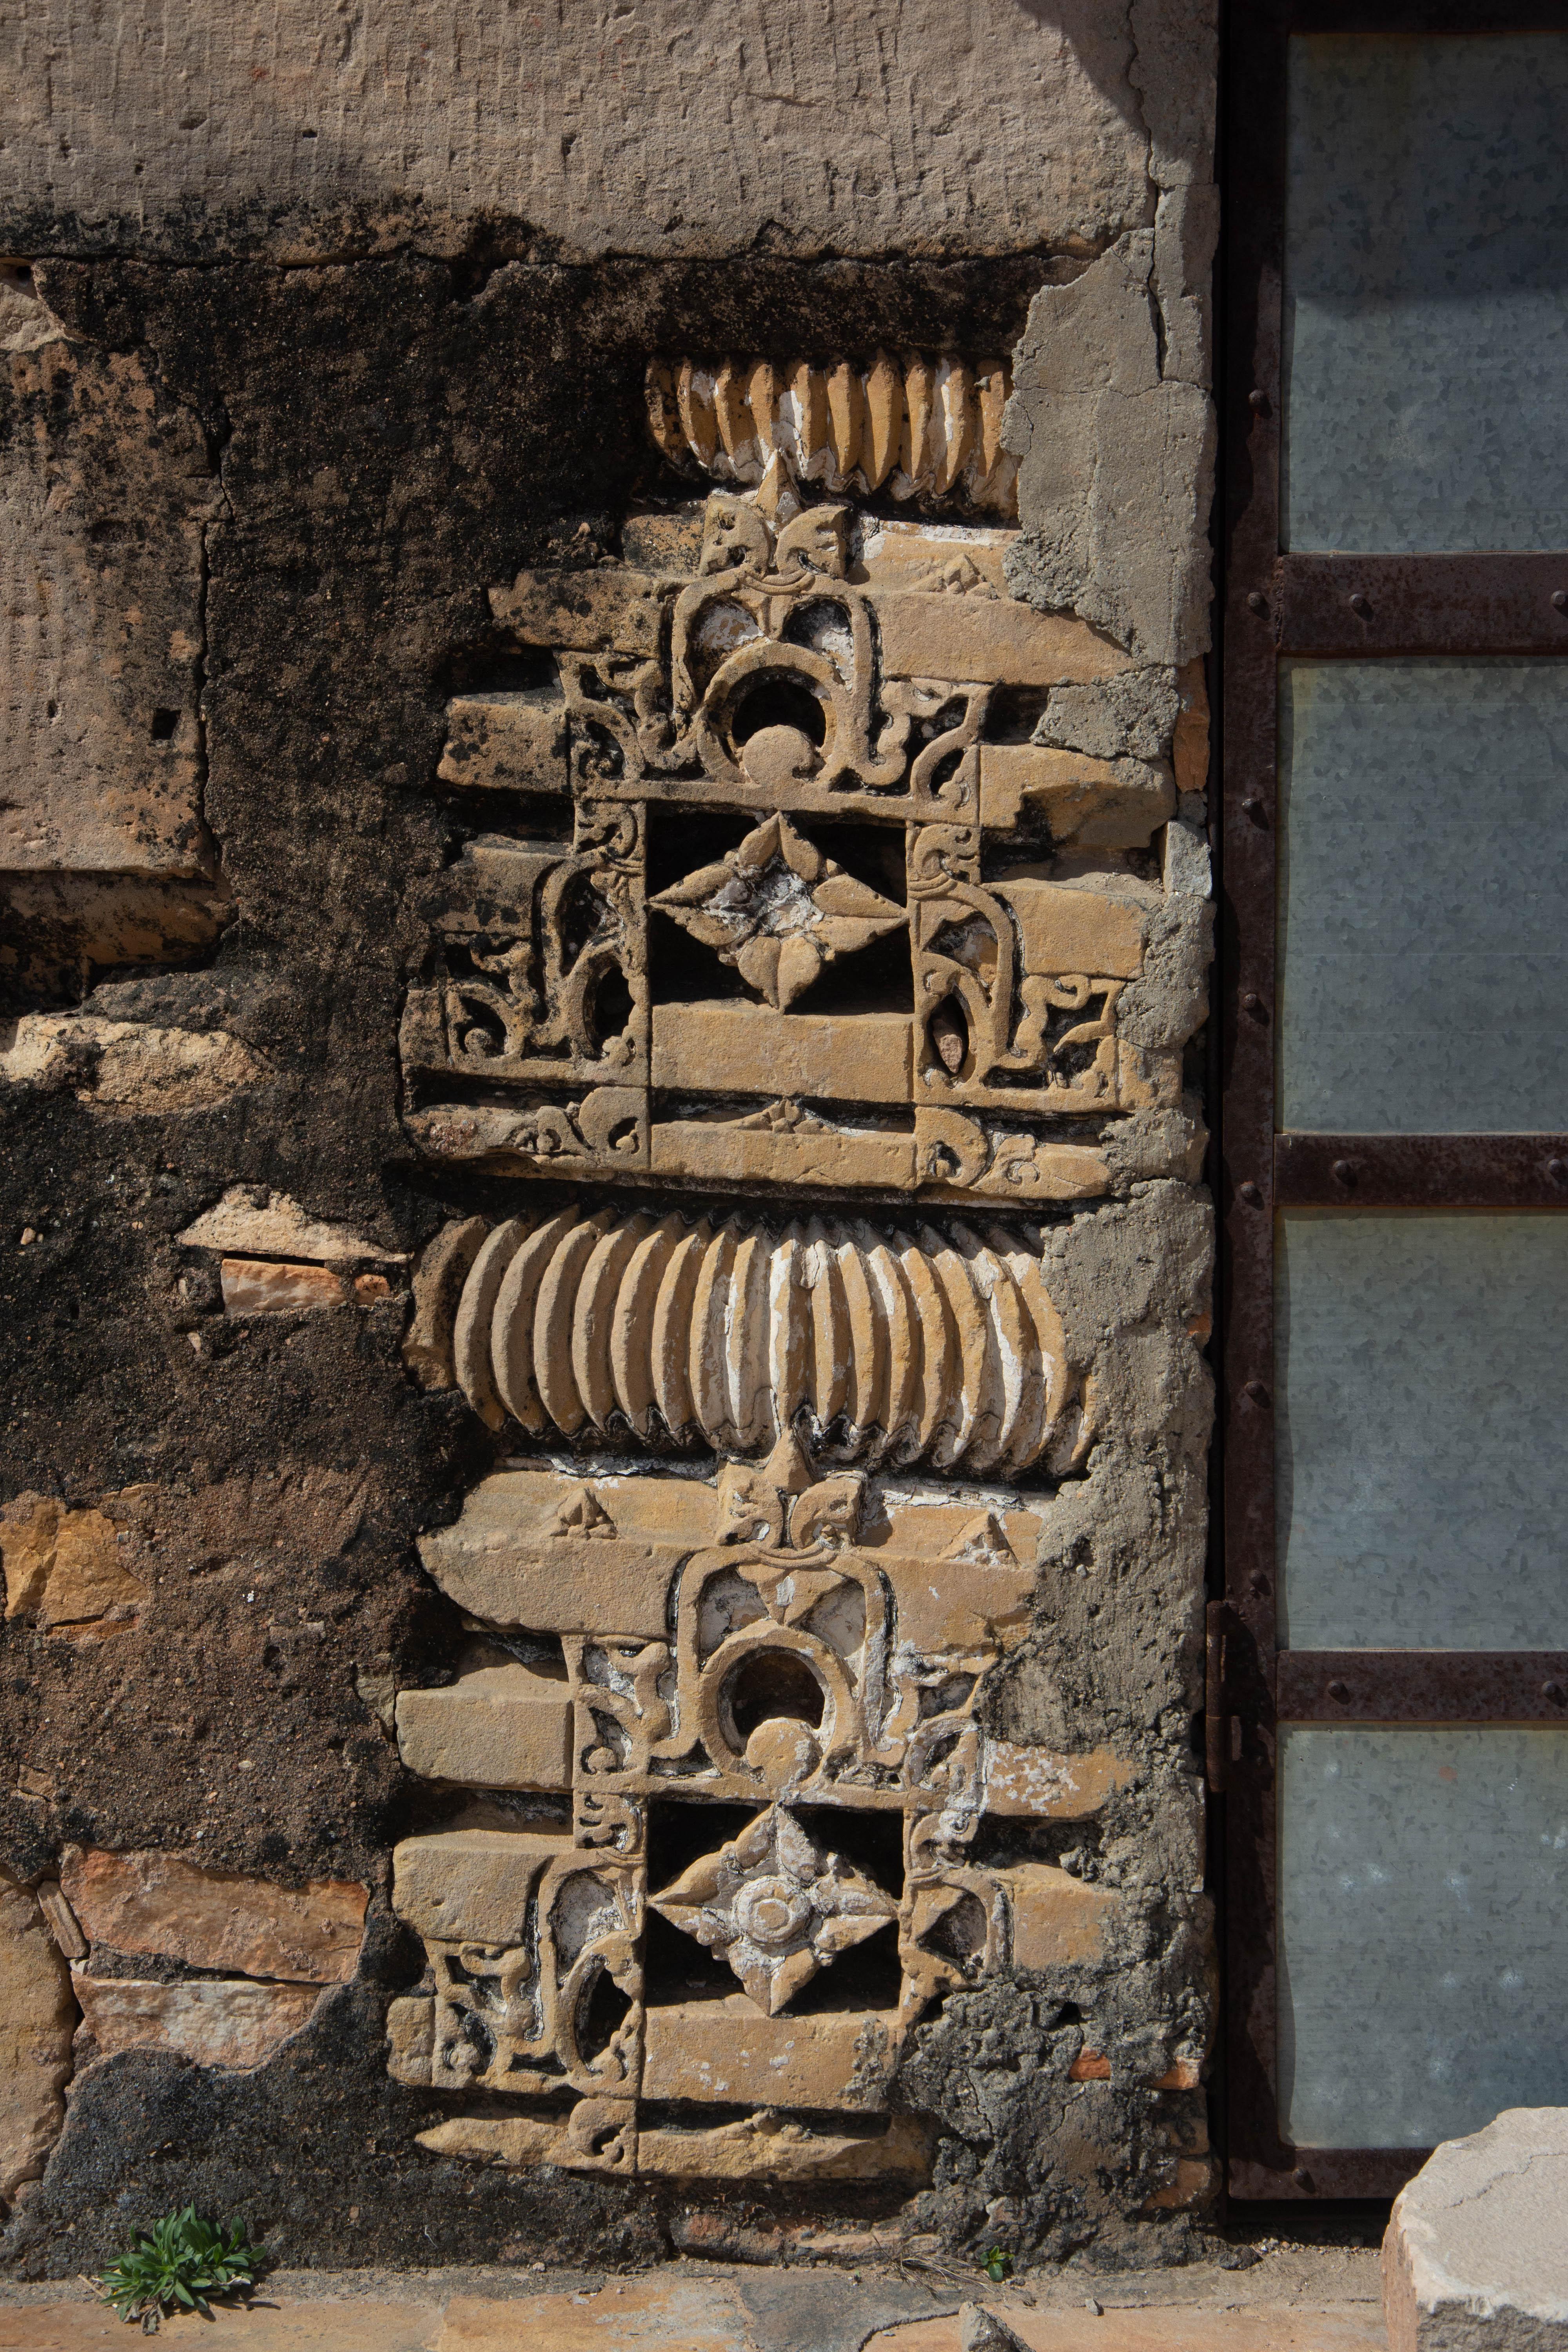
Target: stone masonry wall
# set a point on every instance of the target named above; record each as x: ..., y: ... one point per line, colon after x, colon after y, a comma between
x: 604, y: 1259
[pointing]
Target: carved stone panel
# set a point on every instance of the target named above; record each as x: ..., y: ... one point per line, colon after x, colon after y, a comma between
x: 781, y: 941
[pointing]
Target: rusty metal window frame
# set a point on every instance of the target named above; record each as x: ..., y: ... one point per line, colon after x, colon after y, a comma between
x: 1326, y: 605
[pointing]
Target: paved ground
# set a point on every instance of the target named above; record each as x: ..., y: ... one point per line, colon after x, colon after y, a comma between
x: 1294, y: 2299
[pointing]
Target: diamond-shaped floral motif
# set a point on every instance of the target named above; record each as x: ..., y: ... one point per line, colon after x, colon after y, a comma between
x: 775, y: 1906
x: 778, y: 909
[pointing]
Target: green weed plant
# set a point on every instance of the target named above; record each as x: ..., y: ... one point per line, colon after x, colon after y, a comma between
x: 176, y: 2266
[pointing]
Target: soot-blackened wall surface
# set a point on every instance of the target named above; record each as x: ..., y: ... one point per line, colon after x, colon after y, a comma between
x: 270, y: 443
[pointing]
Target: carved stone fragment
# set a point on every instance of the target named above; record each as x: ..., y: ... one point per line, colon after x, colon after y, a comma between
x: 929, y: 427
x: 894, y: 1345
x: 775, y: 1906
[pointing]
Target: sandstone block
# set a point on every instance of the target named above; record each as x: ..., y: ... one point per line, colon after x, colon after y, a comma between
x: 914, y: 556
x: 975, y: 1582
x: 64, y: 1925
x: 765, y: 2147
x: 496, y: 1727
x: 152, y: 1902
x: 129, y: 1066
x: 1020, y: 1779
x: 1092, y: 804
x: 980, y: 2330
x: 37, y: 2018
x: 257, y: 1285
x: 993, y: 640
x: 1064, y: 929
x: 810, y: 1153
x: 65, y: 1569
x: 213, y: 2021
x: 57, y: 925
x: 557, y: 1584
x: 275, y: 1227
x: 472, y: 1885
x: 410, y: 2039
x: 1476, y: 2254
x: 722, y: 1049
x: 714, y: 2051
x: 507, y: 742
x: 1058, y: 1921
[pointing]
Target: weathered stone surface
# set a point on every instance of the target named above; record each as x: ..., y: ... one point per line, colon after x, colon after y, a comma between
x: 416, y: 128
x: 37, y: 2018
x: 1476, y: 2254
x: 127, y: 1066
x: 103, y: 619
x: 1098, y: 434
x: 275, y: 1227
x: 163, y: 1903
x: 213, y: 2021
x: 495, y: 1727
x: 506, y: 742
x: 65, y: 1571
x: 594, y: 611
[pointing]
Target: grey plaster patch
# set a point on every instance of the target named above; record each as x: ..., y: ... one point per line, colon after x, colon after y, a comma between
x: 1134, y: 712
x: 1116, y: 462
x: 1174, y: 72
x: 660, y: 129
x: 1169, y: 1000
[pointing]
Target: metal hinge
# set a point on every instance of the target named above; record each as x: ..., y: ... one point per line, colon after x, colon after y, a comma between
x: 1216, y: 1700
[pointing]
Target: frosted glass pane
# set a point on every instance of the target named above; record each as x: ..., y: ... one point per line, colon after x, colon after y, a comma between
x: 1426, y: 292
x: 1424, y: 895
x: 1421, y: 1476
x: 1423, y: 1966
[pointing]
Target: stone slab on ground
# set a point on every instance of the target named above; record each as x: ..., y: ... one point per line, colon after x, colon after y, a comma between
x: 1295, y: 2300
x: 1477, y: 2252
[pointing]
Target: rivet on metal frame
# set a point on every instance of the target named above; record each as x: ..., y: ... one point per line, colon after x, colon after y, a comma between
x: 1250, y: 1192
x: 1254, y: 1393
x: 1345, y: 1172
